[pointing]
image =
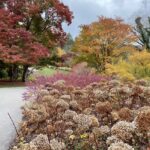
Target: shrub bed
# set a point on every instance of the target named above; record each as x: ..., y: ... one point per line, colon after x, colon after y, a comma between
x: 105, y: 115
x: 75, y: 79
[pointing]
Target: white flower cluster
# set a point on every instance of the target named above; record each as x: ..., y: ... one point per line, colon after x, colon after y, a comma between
x: 123, y: 130
x: 120, y: 146
x: 83, y: 120
x: 55, y: 145
x: 41, y: 142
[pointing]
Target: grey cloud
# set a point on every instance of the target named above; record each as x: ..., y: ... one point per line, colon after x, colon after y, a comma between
x: 86, y: 11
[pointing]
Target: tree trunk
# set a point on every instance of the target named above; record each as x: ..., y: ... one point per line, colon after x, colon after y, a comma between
x: 24, y: 75
x: 13, y: 72
x: 10, y: 74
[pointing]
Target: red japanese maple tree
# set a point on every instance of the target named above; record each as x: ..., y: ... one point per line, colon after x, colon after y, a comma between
x: 28, y: 29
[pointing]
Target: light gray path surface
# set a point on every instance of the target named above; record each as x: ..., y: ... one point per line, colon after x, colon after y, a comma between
x: 10, y: 102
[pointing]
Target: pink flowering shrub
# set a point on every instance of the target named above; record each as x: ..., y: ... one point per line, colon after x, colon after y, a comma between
x: 71, y: 79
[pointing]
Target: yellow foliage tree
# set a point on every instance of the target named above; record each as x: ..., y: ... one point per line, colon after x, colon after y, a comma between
x: 122, y: 68
x: 102, y: 39
x: 60, y: 52
x: 136, y: 67
x: 141, y: 58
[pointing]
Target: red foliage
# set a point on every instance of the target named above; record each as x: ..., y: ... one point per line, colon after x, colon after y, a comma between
x: 54, y: 8
x: 54, y: 11
x: 18, y: 45
x: 18, y: 42
x: 72, y: 79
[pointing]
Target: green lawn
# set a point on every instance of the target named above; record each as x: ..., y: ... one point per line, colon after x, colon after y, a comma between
x: 47, y: 71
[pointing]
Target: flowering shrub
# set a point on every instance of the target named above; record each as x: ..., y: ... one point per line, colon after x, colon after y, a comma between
x: 71, y: 79
x: 68, y: 118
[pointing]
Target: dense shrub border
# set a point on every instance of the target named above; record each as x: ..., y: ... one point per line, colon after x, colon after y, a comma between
x: 104, y: 115
x: 71, y: 79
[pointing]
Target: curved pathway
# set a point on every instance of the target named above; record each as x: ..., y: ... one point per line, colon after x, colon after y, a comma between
x: 10, y: 102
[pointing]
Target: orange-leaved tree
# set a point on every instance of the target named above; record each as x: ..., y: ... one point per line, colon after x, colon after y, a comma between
x: 98, y: 42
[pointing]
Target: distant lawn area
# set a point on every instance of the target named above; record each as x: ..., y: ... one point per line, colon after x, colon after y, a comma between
x: 48, y: 71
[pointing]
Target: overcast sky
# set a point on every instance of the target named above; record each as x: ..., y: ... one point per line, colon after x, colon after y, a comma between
x: 86, y: 11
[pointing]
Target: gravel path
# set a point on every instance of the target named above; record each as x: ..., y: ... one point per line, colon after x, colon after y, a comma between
x: 10, y: 102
